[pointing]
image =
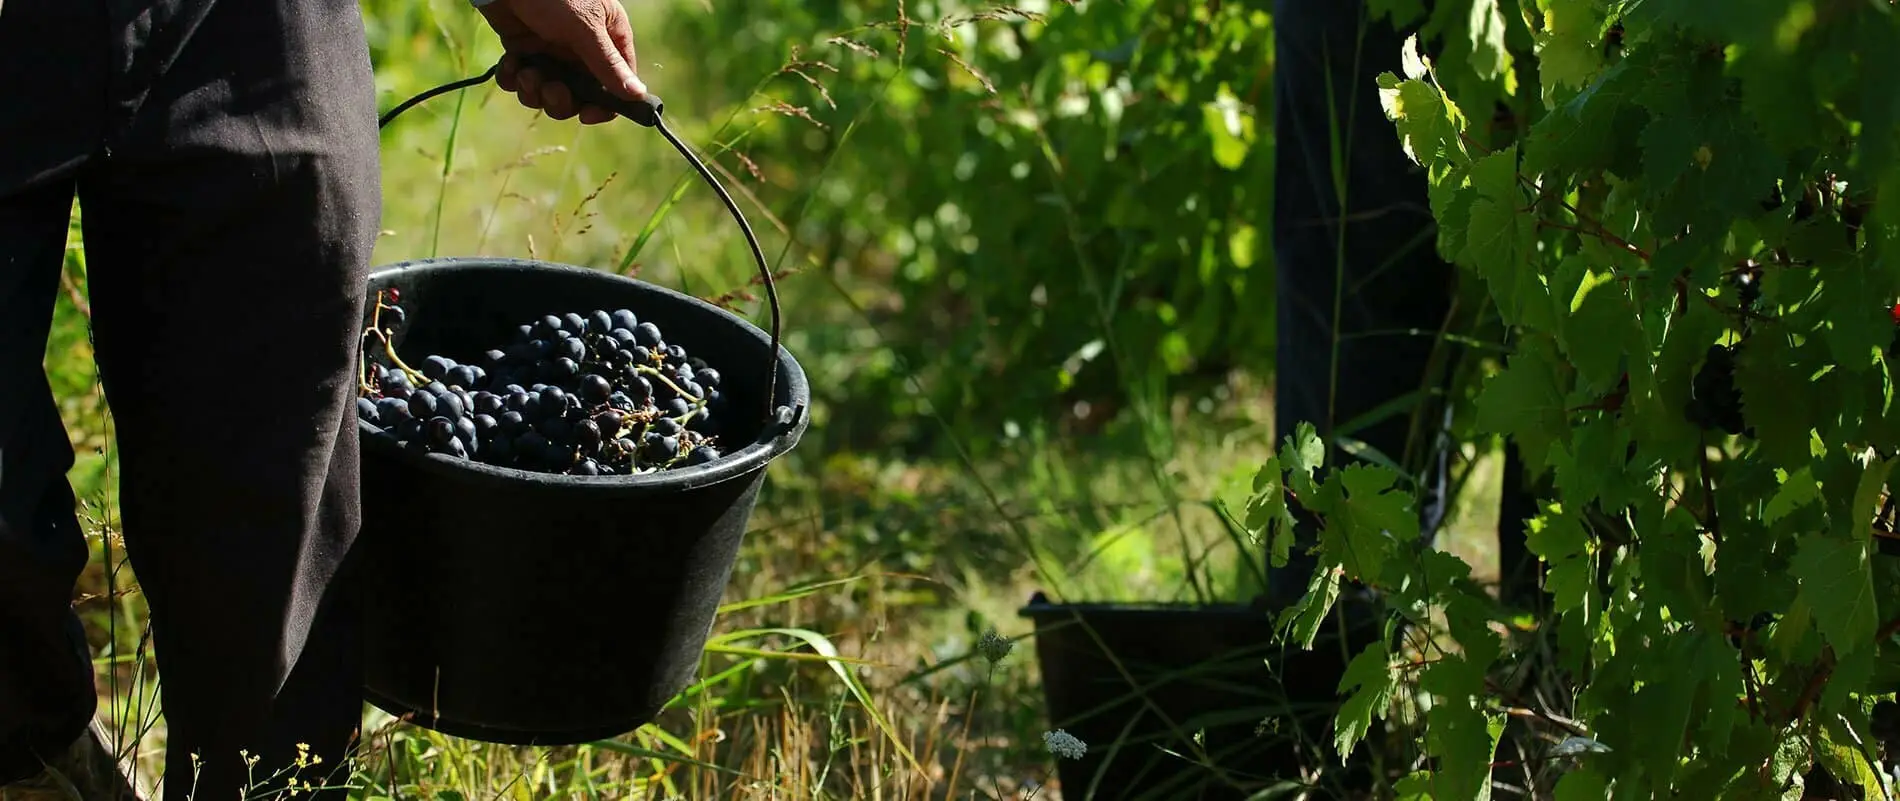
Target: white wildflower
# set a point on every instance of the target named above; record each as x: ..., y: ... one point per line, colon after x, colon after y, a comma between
x: 1064, y: 744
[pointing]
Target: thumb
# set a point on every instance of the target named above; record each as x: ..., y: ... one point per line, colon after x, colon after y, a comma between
x: 610, y: 55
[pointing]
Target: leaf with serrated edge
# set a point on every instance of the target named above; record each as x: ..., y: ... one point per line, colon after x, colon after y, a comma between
x: 1369, y: 680
x: 1798, y: 491
x: 1838, y: 583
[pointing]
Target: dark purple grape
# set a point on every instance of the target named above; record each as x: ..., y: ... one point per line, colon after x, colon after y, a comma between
x: 366, y: 411
x: 640, y: 390
x: 460, y: 375
x: 572, y: 349
x: 647, y: 334
x: 676, y: 353
x: 599, y: 322
x: 411, y: 430
x: 704, y: 454
x: 512, y: 422
x: 556, y: 429
x: 487, y: 403
x: 707, y: 377
x: 435, y: 367
x: 546, y: 327
x: 642, y: 354
x: 424, y: 405
x: 595, y: 390
x: 587, y: 435
x: 392, y: 410
x: 573, y: 323
x: 624, y: 338
x: 677, y: 407
x: 587, y: 467
x: 485, y: 424
x: 465, y: 430
x: 531, y: 445
x: 666, y: 427
x: 495, y: 358
x: 449, y: 404
x: 498, y: 450
x: 523, y: 333
x: 610, y: 420
x: 657, y: 448
x: 565, y: 369
x: 441, y: 430
x: 395, y: 378
x: 624, y: 318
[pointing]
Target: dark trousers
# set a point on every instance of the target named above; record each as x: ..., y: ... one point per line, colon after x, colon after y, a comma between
x: 1382, y: 273
x: 224, y: 157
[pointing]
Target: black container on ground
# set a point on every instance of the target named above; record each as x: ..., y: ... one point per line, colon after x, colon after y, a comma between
x: 1213, y: 669
x: 530, y: 608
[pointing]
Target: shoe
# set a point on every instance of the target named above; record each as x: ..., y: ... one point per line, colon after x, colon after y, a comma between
x: 85, y: 771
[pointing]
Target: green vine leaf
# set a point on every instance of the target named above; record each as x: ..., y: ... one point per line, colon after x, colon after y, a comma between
x: 1525, y: 401
x: 1837, y: 583
x: 1369, y: 681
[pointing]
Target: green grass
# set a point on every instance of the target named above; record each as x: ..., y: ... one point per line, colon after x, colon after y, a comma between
x: 843, y: 663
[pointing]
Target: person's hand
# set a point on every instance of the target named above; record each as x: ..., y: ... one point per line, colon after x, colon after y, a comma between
x: 594, y: 33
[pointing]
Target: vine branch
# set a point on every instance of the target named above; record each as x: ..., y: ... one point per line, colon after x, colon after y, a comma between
x: 1812, y: 690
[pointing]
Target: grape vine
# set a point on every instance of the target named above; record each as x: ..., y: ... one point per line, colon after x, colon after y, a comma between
x: 1680, y: 228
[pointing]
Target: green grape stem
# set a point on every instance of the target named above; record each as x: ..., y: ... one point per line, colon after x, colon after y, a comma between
x: 655, y: 372
x: 415, y: 376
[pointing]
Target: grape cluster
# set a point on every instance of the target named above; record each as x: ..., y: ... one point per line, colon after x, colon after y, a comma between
x: 586, y: 394
x: 1714, y: 402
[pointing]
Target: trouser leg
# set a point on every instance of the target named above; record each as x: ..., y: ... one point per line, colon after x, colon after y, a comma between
x: 1382, y: 273
x: 229, y: 233
x: 46, y: 689
x: 49, y: 122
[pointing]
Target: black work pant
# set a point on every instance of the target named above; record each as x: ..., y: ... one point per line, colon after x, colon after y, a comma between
x: 224, y: 157
x: 1382, y: 272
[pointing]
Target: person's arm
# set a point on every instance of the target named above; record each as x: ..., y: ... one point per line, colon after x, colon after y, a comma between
x: 594, y: 33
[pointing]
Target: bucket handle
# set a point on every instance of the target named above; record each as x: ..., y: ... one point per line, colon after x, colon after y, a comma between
x: 647, y: 112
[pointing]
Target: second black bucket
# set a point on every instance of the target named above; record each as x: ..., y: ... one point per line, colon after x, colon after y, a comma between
x: 530, y: 608
x: 1137, y: 683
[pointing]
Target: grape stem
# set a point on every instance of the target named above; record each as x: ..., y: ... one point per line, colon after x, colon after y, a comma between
x: 362, y: 361
x: 415, y: 376
x: 656, y: 373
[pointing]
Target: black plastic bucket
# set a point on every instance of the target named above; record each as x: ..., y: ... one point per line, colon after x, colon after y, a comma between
x: 531, y: 608
x: 1136, y: 682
